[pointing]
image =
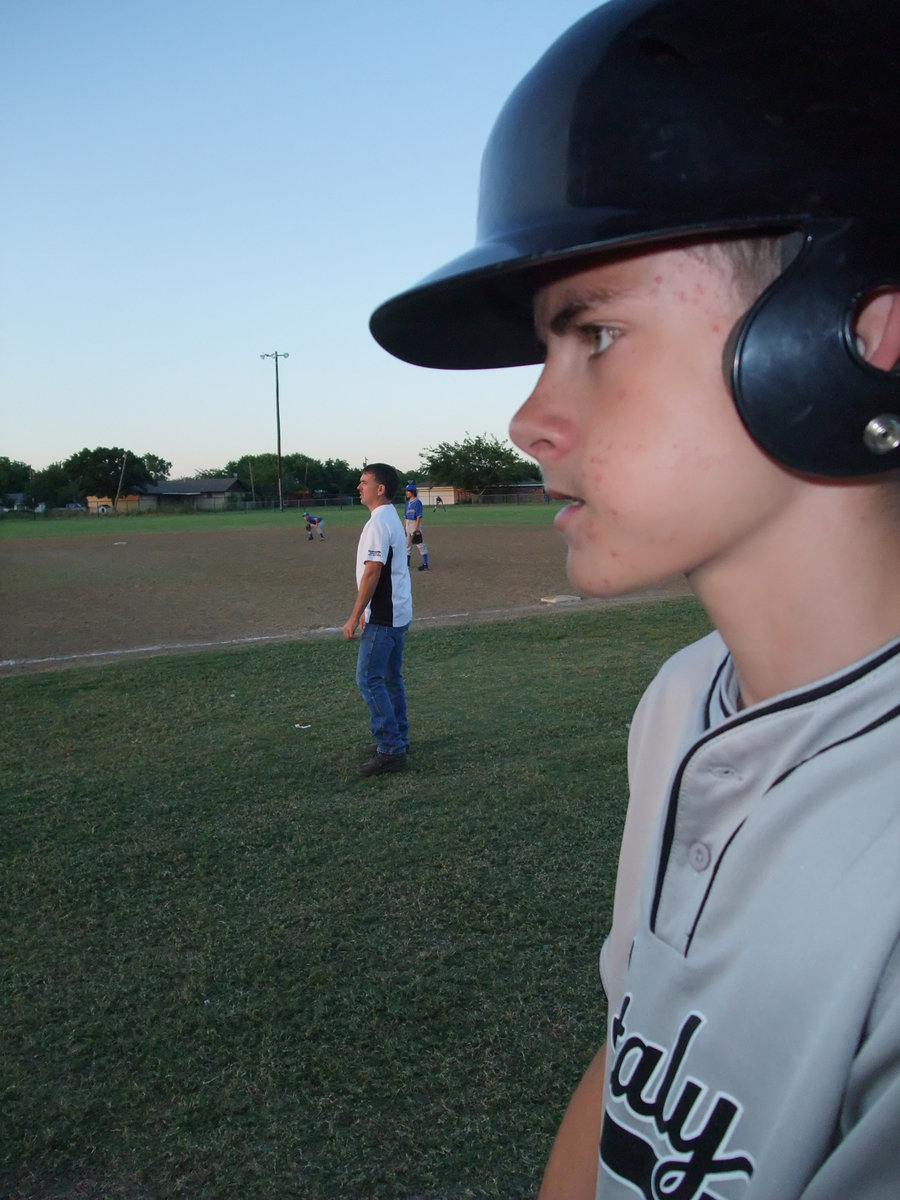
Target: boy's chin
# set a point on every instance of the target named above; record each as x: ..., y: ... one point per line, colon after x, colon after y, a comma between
x: 607, y: 580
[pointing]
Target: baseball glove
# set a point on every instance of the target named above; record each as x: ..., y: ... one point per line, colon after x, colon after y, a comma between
x: 417, y: 538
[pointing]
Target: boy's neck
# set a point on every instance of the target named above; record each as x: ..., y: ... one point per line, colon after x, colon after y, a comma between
x: 820, y: 595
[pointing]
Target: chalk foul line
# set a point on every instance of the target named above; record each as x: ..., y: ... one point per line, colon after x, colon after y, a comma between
x: 163, y: 647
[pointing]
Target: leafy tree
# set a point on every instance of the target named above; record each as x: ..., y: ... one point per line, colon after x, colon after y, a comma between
x: 54, y: 487
x: 475, y: 463
x: 299, y: 473
x: 98, y: 472
x: 339, y: 478
x: 330, y: 478
x: 157, y: 468
x: 258, y: 472
x: 14, y: 476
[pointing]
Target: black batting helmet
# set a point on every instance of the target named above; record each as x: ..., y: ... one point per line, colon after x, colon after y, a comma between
x: 653, y: 121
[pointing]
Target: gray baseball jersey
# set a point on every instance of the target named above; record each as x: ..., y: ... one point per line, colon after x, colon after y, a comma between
x: 753, y: 966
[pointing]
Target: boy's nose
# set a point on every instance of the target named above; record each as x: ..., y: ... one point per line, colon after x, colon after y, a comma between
x: 539, y: 429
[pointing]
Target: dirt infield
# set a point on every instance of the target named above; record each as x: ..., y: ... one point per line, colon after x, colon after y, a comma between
x: 65, y: 600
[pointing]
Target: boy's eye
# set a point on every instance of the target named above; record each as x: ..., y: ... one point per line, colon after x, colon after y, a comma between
x: 600, y: 337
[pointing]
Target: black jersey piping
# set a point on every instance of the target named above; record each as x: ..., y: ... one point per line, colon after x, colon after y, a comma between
x: 709, y: 886
x: 817, y: 692
x: 884, y: 719
x: 713, y: 687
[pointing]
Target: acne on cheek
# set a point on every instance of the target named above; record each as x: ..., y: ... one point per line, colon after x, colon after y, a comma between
x: 597, y: 465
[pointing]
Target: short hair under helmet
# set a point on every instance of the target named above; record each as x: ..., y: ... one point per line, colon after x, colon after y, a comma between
x: 653, y: 121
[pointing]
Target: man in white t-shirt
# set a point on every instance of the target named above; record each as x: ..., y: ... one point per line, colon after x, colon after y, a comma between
x: 383, y: 612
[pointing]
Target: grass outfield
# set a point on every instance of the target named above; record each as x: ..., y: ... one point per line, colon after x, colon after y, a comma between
x: 235, y: 969
x: 455, y: 515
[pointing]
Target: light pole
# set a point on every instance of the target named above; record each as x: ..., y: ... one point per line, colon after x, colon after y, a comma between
x: 276, y: 355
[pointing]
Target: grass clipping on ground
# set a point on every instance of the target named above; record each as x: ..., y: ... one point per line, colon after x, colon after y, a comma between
x: 235, y: 969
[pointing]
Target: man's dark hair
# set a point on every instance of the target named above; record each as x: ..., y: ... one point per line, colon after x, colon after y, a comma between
x: 385, y: 474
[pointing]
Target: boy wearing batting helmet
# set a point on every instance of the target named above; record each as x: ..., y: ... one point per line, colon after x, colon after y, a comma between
x: 690, y: 215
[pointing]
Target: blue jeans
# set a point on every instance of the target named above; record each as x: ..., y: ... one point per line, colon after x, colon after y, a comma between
x: 380, y: 680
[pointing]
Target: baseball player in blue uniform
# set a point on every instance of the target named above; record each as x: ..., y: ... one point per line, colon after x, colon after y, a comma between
x: 690, y: 216
x: 412, y: 520
x: 314, y: 525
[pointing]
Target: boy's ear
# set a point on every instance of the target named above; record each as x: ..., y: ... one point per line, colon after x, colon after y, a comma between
x: 877, y: 329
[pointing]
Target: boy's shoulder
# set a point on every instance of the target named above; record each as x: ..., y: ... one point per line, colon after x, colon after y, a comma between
x: 672, y: 709
x: 688, y: 673
x: 696, y: 658
x: 695, y: 693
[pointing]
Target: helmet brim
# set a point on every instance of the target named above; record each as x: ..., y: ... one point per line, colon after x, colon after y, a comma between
x: 660, y: 120
x: 476, y: 312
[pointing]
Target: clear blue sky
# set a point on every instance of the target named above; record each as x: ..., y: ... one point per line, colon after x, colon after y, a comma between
x: 190, y: 183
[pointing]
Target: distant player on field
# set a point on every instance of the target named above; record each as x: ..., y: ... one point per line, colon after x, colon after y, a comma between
x: 313, y: 526
x: 412, y: 519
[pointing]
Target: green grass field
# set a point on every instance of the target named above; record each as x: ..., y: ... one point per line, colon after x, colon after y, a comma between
x: 17, y: 525
x: 237, y: 970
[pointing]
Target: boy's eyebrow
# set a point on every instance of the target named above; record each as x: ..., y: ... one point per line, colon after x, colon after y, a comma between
x: 572, y: 308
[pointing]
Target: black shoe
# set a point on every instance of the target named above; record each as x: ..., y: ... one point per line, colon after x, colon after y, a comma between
x: 372, y: 748
x: 424, y: 567
x: 383, y: 764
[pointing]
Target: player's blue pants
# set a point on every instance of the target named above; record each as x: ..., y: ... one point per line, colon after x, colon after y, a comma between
x: 379, y: 678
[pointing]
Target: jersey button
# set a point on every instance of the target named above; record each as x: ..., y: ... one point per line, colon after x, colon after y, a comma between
x: 699, y: 856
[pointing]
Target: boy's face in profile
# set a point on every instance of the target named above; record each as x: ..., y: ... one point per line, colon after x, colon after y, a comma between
x: 631, y: 421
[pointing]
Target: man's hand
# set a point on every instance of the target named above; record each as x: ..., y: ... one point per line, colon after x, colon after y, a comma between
x: 370, y: 576
x: 350, y: 626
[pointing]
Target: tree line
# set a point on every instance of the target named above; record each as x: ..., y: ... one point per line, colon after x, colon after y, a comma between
x: 473, y: 465
x: 103, y: 471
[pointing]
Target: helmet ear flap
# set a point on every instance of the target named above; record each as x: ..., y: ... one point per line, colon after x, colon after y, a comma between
x: 802, y: 389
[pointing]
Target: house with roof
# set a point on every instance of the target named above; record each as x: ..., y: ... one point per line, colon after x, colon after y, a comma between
x: 198, y: 495
x: 173, y: 495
